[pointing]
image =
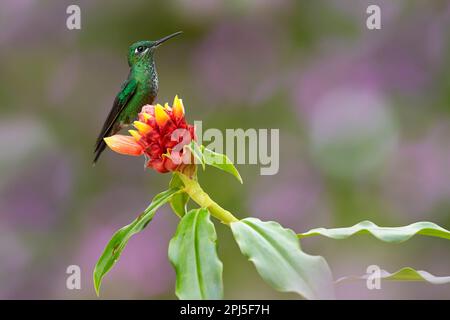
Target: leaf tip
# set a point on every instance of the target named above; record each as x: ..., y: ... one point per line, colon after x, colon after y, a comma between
x: 97, y: 283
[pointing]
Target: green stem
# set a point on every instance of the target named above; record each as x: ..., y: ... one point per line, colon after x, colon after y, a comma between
x: 195, y: 191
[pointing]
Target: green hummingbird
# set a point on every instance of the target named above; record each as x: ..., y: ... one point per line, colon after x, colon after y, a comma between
x: 140, y: 88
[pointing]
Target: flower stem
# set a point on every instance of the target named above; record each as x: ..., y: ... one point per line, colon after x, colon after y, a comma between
x: 195, y: 191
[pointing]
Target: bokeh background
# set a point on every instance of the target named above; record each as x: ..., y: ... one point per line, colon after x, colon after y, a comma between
x: 363, y: 118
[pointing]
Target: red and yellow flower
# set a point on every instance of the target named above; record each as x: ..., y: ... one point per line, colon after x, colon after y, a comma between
x: 161, y: 134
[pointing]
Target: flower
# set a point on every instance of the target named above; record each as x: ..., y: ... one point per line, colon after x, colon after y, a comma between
x: 161, y: 134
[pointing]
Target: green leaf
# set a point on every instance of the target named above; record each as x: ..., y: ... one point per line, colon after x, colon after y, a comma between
x: 276, y: 254
x: 197, y: 151
x: 192, y: 252
x: 404, y: 274
x: 179, y: 201
x: 388, y: 234
x: 211, y: 158
x: 120, y: 239
x: 220, y: 161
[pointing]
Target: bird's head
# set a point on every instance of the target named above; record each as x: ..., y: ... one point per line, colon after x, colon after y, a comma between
x: 142, y: 51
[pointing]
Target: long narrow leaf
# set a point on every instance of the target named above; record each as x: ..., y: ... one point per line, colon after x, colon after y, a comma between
x: 220, y: 161
x: 404, y: 274
x: 387, y: 234
x: 120, y: 239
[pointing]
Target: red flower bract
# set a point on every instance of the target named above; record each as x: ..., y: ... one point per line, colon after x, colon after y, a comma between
x: 161, y: 134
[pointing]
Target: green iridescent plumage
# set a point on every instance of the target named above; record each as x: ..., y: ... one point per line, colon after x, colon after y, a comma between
x: 140, y: 88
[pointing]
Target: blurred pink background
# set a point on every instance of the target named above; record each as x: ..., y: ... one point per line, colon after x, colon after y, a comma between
x: 364, y: 119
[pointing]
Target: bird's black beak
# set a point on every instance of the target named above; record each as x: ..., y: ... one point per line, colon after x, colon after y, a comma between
x: 158, y: 42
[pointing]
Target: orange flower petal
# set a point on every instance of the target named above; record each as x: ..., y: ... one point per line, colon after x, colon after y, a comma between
x: 124, y: 145
x: 142, y: 127
x: 161, y: 116
x: 146, y: 116
x: 135, y: 134
x: 178, y: 108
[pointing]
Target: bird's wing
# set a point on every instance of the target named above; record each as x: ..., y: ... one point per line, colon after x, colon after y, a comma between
x: 125, y: 94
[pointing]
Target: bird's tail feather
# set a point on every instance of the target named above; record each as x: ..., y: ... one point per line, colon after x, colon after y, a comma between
x: 98, y: 151
x: 101, y: 144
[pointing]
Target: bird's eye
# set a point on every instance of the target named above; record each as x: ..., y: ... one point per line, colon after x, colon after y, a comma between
x: 139, y: 49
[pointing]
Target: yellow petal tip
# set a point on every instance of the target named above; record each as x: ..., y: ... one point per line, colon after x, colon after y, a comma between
x: 142, y: 127
x: 135, y: 134
x: 108, y: 141
x: 161, y: 116
x: 178, y: 108
x: 146, y: 116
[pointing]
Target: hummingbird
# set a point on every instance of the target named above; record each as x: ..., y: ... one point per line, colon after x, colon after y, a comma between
x: 140, y: 88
